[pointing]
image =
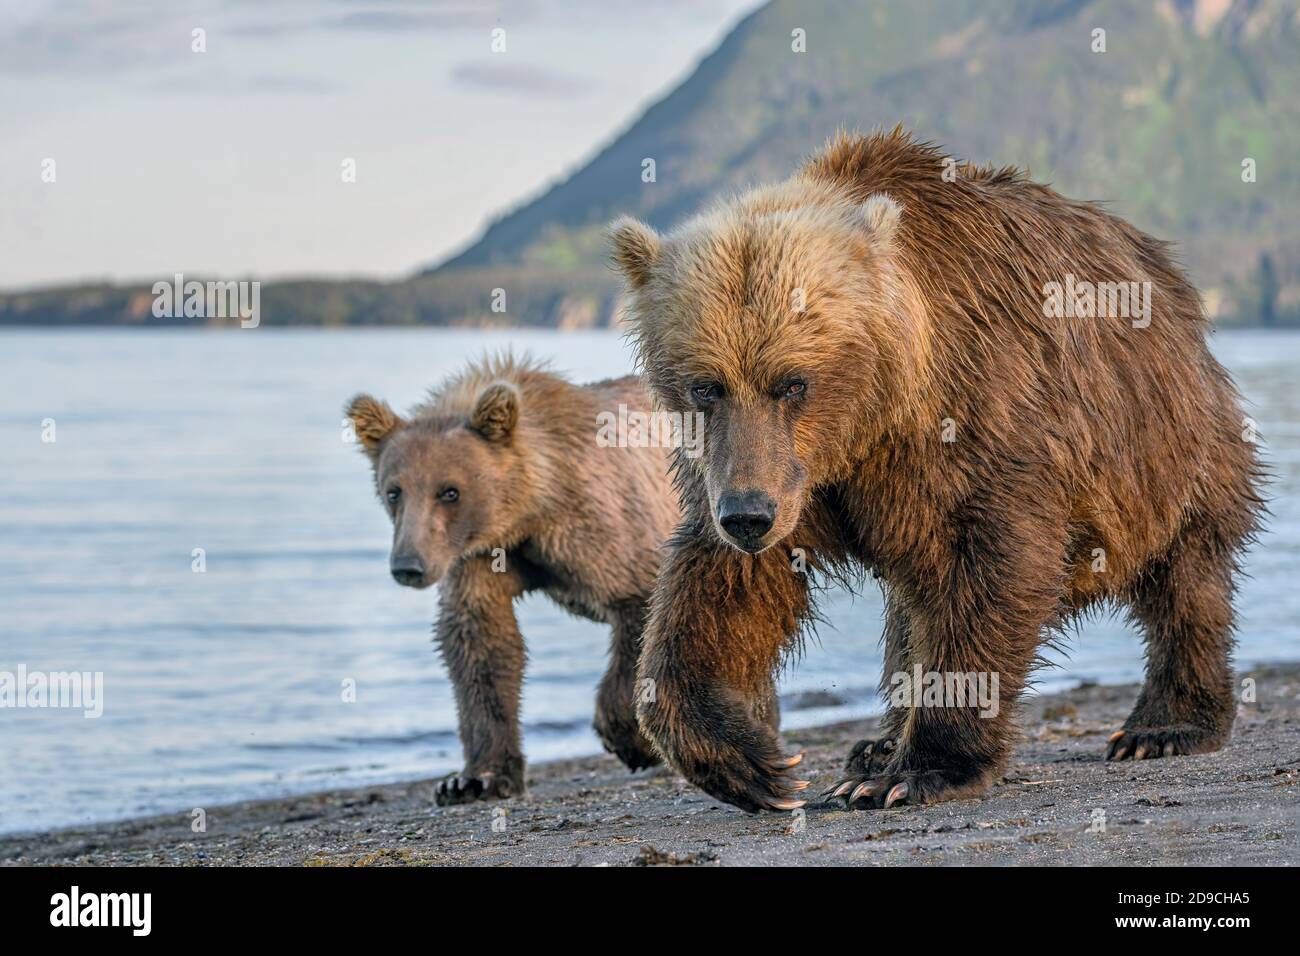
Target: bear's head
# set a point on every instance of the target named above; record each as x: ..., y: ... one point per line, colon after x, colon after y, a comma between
x: 441, y: 479
x: 787, y: 319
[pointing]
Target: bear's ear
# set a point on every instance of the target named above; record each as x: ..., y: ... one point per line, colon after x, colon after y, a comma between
x: 496, y: 412
x: 880, y: 213
x: 373, y: 421
x: 636, y: 247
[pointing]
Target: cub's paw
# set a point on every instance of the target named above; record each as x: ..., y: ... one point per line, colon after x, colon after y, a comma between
x: 466, y: 788
x: 914, y: 787
x: 1148, y: 743
x: 623, y: 738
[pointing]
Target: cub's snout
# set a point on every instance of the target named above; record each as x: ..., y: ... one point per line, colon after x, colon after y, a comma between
x: 409, y: 570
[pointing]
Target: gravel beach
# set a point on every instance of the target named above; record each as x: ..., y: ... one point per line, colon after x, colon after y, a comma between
x: 1058, y: 803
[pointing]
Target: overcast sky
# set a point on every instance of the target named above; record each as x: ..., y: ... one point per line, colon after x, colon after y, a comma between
x: 228, y: 162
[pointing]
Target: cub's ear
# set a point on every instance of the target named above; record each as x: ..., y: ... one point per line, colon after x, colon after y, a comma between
x: 373, y: 421
x: 880, y: 214
x: 496, y: 412
x: 636, y: 248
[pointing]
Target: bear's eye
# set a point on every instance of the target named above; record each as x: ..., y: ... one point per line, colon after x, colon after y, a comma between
x: 449, y: 495
x: 392, y: 494
x: 794, y: 388
x: 707, y: 392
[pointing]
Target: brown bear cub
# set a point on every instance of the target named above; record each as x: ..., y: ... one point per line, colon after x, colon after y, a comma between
x: 498, y: 486
x: 893, y: 381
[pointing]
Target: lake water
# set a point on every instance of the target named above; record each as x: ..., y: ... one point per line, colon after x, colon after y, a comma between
x: 227, y: 684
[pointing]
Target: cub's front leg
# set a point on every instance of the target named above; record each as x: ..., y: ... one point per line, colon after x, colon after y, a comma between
x: 615, y: 721
x: 479, y: 639
x: 719, y: 622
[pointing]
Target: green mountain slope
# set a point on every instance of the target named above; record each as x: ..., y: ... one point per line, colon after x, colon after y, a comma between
x: 1158, y: 124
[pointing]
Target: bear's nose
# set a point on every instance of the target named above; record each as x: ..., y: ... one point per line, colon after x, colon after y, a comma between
x: 407, y: 569
x: 746, y: 516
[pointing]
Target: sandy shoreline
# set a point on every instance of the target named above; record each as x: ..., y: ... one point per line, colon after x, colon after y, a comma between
x: 1240, y: 806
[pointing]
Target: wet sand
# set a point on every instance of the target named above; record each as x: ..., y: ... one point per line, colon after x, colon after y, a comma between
x: 1058, y: 803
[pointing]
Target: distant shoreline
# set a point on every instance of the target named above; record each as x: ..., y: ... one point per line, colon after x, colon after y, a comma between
x: 1057, y: 803
x: 483, y: 297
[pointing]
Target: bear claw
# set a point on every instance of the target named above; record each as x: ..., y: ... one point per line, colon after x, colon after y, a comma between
x: 885, y: 790
x: 1151, y: 744
x: 465, y: 788
x: 896, y: 793
x: 766, y: 786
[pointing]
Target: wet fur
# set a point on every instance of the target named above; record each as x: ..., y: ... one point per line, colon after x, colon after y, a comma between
x: 1071, y: 434
x: 580, y: 523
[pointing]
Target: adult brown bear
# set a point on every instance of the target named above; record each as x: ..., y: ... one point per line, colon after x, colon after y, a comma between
x: 497, y: 486
x: 997, y: 399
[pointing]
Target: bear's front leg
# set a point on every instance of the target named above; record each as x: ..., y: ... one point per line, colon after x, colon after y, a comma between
x: 972, y: 637
x: 615, y: 721
x: 479, y: 639
x: 719, y: 622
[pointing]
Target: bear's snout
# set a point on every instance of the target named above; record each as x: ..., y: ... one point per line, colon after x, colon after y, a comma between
x: 746, y: 517
x: 408, y: 569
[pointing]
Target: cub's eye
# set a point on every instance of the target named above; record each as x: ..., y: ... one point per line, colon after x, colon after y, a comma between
x: 707, y: 392
x: 392, y: 494
x: 793, y: 389
x: 449, y: 495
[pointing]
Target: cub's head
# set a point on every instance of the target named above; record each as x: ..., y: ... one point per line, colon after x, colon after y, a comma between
x: 441, y: 479
x: 786, y: 320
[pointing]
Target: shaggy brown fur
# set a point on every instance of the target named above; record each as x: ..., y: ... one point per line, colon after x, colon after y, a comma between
x: 1001, y: 469
x: 497, y: 486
